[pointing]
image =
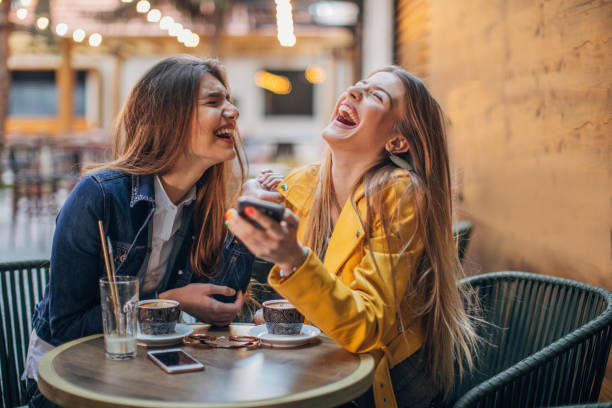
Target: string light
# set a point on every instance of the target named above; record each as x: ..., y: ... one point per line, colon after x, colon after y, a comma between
x: 22, y: 13
x: 143, y: 6
x: 284, y: 23
x: 61, y: 29
x: 95, y: 39
x: 166, y: 22
x: 184, y: 35
x: 175, y: 29
x: 78, y: 35
x: 193, y: 41
x: 154, y: 16
x: 42, y: 23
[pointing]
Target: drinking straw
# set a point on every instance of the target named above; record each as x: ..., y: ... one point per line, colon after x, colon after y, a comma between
x: 110, y: 275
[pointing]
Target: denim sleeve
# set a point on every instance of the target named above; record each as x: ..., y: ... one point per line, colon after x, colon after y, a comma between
x: 234, y: 269
x: 74, y: 299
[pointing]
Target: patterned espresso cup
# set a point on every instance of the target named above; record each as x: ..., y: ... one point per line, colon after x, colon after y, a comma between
x: 158, y: 316
x: 282, y: 317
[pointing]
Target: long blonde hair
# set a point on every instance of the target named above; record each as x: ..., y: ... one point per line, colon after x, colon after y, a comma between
x: 450, y: 336
x: 153, y: 129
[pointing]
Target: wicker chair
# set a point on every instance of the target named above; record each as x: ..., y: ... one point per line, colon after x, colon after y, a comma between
x: 547, y: 343
x: 21, y: 286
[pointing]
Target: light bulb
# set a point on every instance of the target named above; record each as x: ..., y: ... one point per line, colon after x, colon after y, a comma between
x: 42, y: 23
x: 175, y: 29
x: 95, y: 39
x: 22, y: 13
x: 166, y: 22
x: 143, y: 6
x: 154, y: 16
x: 78, y: 35
x: 61, y: 29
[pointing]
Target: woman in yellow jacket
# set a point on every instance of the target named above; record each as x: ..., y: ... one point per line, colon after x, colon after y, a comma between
x: 365, y: 249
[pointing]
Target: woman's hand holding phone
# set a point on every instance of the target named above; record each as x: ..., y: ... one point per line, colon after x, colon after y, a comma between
x: 274, y: 241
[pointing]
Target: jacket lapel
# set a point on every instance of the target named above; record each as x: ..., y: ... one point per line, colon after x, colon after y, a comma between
x: 348, y: 233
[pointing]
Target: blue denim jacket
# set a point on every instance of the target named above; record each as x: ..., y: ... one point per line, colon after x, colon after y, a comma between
x: 125, y: 203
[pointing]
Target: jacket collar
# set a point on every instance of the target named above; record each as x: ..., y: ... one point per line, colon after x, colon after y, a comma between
x: 143, y: 189
x: 348, y: 232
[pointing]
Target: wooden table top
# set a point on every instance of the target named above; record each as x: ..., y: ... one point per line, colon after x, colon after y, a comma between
x: 318, y: 374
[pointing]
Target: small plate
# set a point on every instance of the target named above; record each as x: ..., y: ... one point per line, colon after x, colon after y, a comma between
x: 276, y: 340
x: 160, y: 340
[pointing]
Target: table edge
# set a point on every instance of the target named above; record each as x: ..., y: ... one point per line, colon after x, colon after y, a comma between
x: 53, y: 386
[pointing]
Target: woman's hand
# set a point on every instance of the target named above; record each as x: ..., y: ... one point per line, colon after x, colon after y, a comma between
x: 197, y: 300
x: 269, y: 179
x: 276, y: 242
x: 262, y: 186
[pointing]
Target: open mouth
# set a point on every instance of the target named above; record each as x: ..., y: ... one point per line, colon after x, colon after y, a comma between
x: 225, y: 133
x: 347, y: 115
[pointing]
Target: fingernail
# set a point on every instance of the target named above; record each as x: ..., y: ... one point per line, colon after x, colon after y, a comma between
x: 229, y: 214
x: 227, y: 224
x: 284, y: 187
x: 249, y: 211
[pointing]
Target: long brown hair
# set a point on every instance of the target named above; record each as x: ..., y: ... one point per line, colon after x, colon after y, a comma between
x: 153, y: 129
x: 450, y: 336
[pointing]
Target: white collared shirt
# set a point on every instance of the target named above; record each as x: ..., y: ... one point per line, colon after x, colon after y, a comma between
x: 166, y: 222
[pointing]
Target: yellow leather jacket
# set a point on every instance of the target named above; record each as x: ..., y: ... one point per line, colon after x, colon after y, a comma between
x: 344, y: 295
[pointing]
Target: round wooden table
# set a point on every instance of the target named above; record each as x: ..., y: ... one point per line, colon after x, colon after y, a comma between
x: 318, y: 374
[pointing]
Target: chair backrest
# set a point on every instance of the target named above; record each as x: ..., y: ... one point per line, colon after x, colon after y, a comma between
x: 462, y: 231
x: 559, y: 330
x: 21, y: 287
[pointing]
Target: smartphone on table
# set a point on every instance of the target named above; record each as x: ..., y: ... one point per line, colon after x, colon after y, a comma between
x: 175, y: 360
x: 272, y: 210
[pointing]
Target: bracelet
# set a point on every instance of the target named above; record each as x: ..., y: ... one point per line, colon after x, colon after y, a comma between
x: 294, y: 268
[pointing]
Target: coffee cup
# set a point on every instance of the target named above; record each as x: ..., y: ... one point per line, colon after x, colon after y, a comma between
x: 158, y: 316
x: 282, y: 317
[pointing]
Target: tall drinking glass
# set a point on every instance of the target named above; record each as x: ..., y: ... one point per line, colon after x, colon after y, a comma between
x: 119, y: 316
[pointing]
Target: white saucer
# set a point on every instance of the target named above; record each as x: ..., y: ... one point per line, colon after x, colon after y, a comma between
x: 276, y: 340
x: 160, y: 340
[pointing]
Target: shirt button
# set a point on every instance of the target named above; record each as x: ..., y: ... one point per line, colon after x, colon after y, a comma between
x: 382, y: 385
x: 357, y: 234
x: 180, y: 272
x: 384, y: 400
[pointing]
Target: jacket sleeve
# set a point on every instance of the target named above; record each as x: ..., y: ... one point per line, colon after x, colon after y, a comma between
x: 234, y: 269
x: 74, y: 299
x: 361, y: 315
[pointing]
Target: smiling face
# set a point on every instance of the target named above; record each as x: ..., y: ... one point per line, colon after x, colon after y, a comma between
x: 212, y: 138
x: 365, y: 114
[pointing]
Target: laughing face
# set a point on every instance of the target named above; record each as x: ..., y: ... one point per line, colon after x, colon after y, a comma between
x: 212, y: 140
x: 365, y: 115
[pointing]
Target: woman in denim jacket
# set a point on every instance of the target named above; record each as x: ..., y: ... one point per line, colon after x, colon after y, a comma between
x: 161, y: 201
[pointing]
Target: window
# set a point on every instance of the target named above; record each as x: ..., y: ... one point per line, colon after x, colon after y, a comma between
x: 35, y: 93
x: 297, y: 102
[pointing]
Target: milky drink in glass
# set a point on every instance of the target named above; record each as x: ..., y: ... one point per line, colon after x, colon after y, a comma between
x: 119, y: 317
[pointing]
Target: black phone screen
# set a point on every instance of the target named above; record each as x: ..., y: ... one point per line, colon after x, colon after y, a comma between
x: 174, y: 358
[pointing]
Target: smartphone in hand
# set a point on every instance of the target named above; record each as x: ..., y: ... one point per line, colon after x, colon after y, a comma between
x: 272, y: 210
x: 175, y: 360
